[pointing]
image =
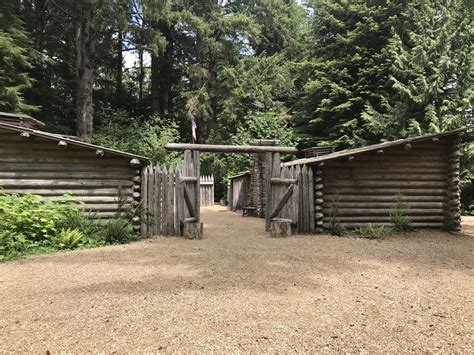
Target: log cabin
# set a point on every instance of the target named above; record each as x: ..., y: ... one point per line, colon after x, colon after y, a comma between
x: 51, y: 165
x: 357, y: 187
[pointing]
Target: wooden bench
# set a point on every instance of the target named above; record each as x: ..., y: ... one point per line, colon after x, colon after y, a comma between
x: 248, y: 211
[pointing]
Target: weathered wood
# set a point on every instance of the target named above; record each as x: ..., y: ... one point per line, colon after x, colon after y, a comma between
x: 278, y: 181
x: 192, y: 230
x: 280, y: 227
x: 268, y: 175
x: 231, y: 148
x: 144, y: 207
x: 193, y: 179
x: 189, y: 203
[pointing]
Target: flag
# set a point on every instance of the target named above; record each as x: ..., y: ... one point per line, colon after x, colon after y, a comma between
x: 193, y: 127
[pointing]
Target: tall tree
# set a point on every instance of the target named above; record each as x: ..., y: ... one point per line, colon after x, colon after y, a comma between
x: 346, y: 67
x: 85, y: 44
x: 431, y: 53
x: 15, y: 59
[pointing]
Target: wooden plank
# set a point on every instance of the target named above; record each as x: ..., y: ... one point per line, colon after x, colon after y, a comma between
x: 189, y: 203
x: 151, y: 209
x: 310, y: 196
x: 268, y: 175
x: 177, y: 202
x: 305, y: 187
x: 300, y: 201
x: 171, y: 182
x: 284, y: 199
x: 144, y: 202
x: 197, y: 174
x: 164, y: 204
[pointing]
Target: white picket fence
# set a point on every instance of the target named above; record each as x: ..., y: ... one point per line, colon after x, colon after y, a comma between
x: 207, y: 190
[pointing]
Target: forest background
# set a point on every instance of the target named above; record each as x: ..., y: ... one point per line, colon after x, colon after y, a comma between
x: 133, y: 74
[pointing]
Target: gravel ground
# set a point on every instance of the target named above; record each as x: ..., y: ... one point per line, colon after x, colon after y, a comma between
x: 240, y: 291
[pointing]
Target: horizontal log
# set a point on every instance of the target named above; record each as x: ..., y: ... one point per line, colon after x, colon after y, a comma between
x: 363, y: 176
x: 383, y: 211
x: 378, y: 219
x: 381, y: 198
x: 384, y: 205
x: 375, y: 169
x: 92, y: 199
x: 84, y: 191
x: 77, y: 167
x: 188, y: 179
x: 62, y: 183
x: 231, y: 148
x: 278, y: 181
x: 418, y: 225
x: 384, y: 191
x: 381, y: 163
x: 91, y: 175
x: 20, y: 159
x: 383, y: 183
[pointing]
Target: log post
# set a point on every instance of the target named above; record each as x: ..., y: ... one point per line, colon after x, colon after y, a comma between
x: 137, y: 200
x: 192, y: 229
x: 318, y: 199
x: 280, y: 227
x: 452, y: 202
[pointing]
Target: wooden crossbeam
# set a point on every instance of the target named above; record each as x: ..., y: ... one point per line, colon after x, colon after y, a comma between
x: 282, y: 202
x: 189, y: 203
x: 231, y: 148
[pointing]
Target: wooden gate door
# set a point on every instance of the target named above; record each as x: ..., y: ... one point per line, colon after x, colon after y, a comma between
x: 290, y: 194
x: 188, y: 197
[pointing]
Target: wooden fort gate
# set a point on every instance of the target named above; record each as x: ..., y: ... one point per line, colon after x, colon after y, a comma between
x: 290, y: 198
x: 171, y: 199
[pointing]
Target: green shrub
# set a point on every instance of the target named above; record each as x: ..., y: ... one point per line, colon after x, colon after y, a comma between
x: 12, y: 245
x: 335, y: 228
x: 28, y: 215
x: 398, y: 216
x: 118, y: 230
x: 68, y: 238
x: 373, y: 232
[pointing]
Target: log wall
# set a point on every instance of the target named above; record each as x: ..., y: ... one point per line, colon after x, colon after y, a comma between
x: 42, y: 167
x: 357, y: 190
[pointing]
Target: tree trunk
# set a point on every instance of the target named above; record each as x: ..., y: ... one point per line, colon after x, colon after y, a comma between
x: 141, y: 75
x: 119, y: 69
x: 85, y: 56
x: 161, y: 68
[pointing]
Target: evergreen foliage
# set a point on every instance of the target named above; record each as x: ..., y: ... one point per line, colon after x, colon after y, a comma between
x: 15, y: 59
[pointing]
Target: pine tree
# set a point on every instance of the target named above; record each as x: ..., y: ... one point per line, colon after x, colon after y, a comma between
x: 15, y: 59
x: 430, y: 77
x: 346, y: 67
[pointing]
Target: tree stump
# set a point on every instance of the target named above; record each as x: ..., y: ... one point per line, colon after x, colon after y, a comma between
x: 280, y: 227
x: 192, y: 230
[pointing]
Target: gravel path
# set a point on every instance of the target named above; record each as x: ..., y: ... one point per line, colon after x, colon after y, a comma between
x: 239, y: 291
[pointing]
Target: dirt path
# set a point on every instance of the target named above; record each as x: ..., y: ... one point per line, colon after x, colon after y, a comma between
x: 238, y: 290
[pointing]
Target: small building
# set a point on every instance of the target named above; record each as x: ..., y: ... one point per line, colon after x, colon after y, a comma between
x: 238, y: 191
x: 357, y: 187
x: 52, y: 165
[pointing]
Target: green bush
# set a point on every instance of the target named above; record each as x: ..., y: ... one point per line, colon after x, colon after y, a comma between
x: 35, y: 219
x: 30, y: 224
x: 118, y: 230
x: 68, y: 239
x: 12, y: 245
x: 373, y: 232
x: 398, y: 216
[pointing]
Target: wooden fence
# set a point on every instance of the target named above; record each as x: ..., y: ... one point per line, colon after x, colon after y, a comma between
x: 170, y: 197
x: 207, y: 190
x: 290, y: 194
